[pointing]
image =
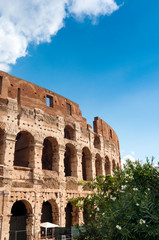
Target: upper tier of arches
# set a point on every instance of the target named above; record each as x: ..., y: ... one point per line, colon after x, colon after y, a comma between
x: 24, y: 156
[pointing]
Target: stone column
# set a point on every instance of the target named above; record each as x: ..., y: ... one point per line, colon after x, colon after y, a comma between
x: 79, y: 165
x: 1, y: 212
x: 103, y: 166
x: 6, y: 215
x: 61, y: 161
x: 9, y: 150
x: 62, y: 212
x: 80, y: 216
x: 36, y: 228
x: 93, y: 166
x: 37, y: 216
x: 29, y: 227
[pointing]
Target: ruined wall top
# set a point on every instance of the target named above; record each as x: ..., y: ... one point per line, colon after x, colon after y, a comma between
x: 34, y: 96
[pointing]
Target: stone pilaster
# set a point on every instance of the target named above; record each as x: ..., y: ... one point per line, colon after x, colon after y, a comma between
x: 79, y: 165
x: 37, y: 162
x: 6, y: 215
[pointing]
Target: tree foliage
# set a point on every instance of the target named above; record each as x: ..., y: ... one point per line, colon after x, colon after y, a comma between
x: 122, y: 206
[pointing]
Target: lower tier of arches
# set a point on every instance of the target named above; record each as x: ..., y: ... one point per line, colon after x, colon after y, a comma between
x: 22, y: 213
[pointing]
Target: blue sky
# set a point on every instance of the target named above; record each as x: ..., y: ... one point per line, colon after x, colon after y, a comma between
x: 109, y: 65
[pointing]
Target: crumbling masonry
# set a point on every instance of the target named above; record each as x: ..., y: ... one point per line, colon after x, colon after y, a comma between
x: 46, y: 147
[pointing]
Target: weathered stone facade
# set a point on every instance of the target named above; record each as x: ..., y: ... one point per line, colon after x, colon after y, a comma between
x: 46, y: 147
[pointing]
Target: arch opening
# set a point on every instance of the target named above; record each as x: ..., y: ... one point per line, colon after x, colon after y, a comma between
x: 69, y: 132
x: 107, y: 166
x: 113, y: 165
x: 24, y: 151
x: 68, y: 211
x: 21, y: 221
x: 50, y: 154
x: 98, y: 165
x: 97, y: 143
x: 86, y: 164
x: 46, y: 217
x: 70, y: 161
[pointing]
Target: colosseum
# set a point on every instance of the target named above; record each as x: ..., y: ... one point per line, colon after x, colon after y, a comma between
x: 46, y: 148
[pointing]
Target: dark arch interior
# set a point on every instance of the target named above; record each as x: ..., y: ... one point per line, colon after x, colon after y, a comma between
x: 97, y: 142
x: 19, y: 209
x: 47, y: 155
x: 86, y: 164
x: 18, y: 221
x: 114, y: 165
x: 69, y: 133
x: 98, y: 165
x: 67, y: 162
x: 107, y: 166
x: 21, y: 154
x: 46, y: 213
x: 68, y: 211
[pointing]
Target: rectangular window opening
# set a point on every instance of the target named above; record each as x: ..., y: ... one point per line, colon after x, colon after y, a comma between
x: 69, y: 110
x: 18, y: 96
x: 0, y: 84
x: 49, y: 101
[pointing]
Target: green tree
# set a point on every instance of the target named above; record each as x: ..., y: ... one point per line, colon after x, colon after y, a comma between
x: 125, y: 206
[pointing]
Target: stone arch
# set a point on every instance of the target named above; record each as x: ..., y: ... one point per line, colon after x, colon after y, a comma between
x: 49, y: 213
x: 55, y: 211
x: 86, y: 164
x: 46, y: 212
x: 2, y: 145
x: 113, y: 165
x: 69, y: 132
x: 21, y: 220
x: 50, y: 154
x: 24, y: 150
x: 70, y: 161
x: 98, y: 164
x: 107, y: 166
x: 97, y: 143
x: 71, y: 215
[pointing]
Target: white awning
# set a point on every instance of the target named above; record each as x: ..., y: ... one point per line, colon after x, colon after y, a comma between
x: 48, y: 225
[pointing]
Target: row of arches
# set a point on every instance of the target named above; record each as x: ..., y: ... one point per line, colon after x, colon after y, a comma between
x: 21, y: 220
x: 24, y: 157
x: 69, y: 133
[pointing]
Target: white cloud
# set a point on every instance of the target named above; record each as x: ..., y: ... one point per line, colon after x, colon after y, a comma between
x: 92, y: 7
x: 130, y: 157
x: 35, y: 21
